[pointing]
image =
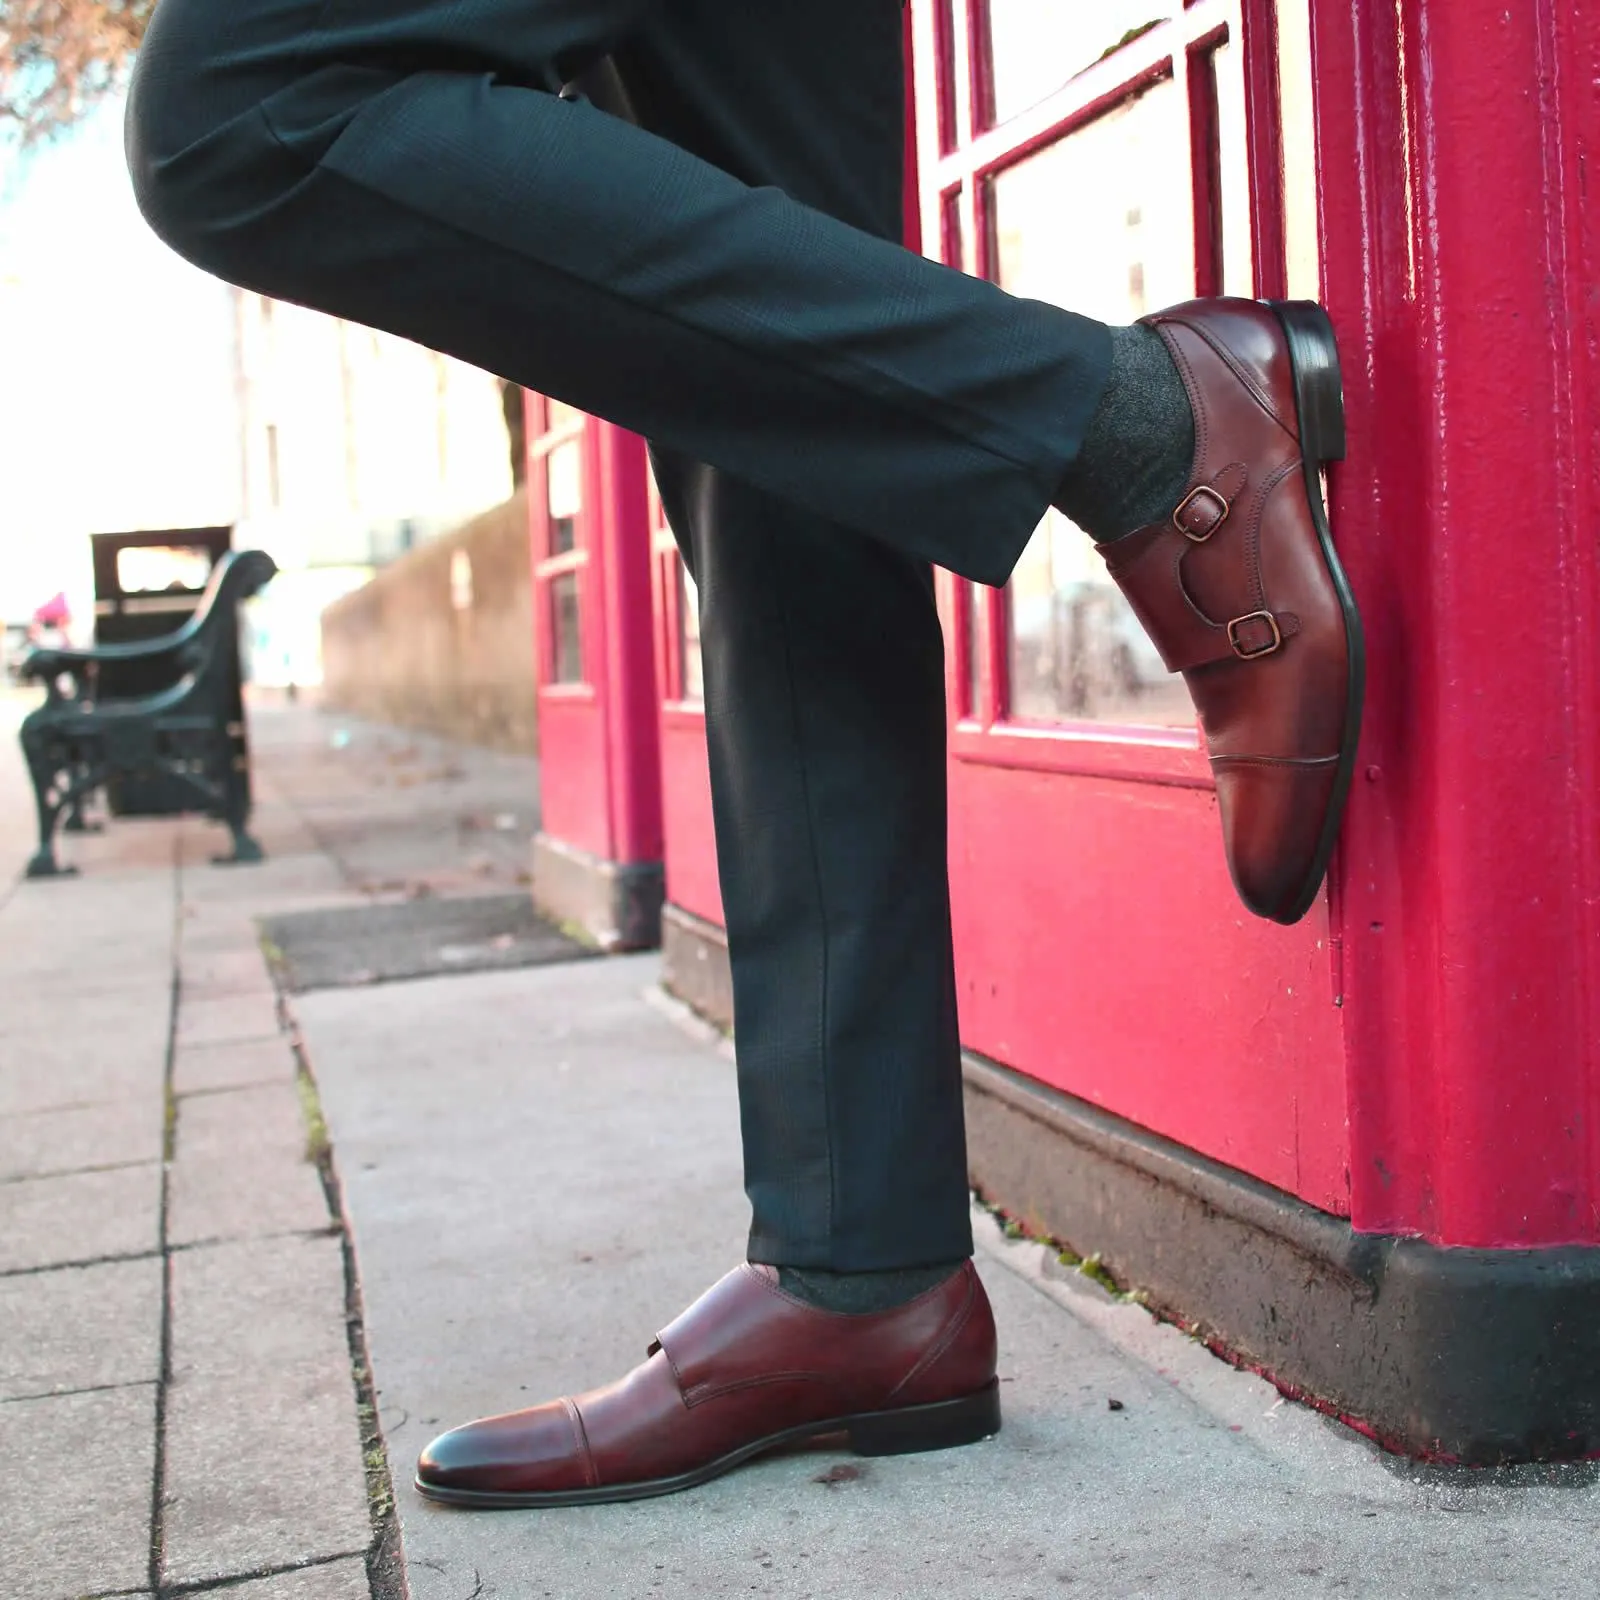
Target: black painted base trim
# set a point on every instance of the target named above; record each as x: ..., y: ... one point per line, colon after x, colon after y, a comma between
x: 1476, y: 1356
x: 616, y: 905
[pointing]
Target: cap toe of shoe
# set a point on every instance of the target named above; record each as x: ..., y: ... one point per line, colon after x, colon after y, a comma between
x: 525, y: 1452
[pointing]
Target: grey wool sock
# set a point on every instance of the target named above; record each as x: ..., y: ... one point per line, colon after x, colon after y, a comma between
x: 858, y: 1292
x: 1139, y: 450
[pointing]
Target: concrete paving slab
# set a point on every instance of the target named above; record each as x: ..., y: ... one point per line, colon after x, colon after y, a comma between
x: 54, y: 931
x: 223, y: 974
x: 52, y: 978
x: 80, y: 1328
x: 261, y: 1304
x: 233, y: 1019
x: 228, y: 930
x: 266, y: 1116
x: 264, y: 1464
x: 242, y: 1168
x: 338, y: 1580
x: 88, y: 1056
x: 287, y: 872
x: 91, y: 915
x: 124, y: 854
x: 126, y: 844
x: 32, y: 1020
x: 87, y: 1216
x: 261, y: 1474
x: 542, y: 1170
x: 132, y: 1082
x: 232, y: 1066
x: 38, y: 1143
x: 79, y: 1471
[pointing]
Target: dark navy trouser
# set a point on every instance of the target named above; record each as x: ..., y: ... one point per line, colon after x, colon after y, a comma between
x: 828, y: 412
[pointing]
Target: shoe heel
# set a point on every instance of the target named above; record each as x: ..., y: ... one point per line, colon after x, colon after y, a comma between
x: 1318, y: 386
x: 935, y: 1427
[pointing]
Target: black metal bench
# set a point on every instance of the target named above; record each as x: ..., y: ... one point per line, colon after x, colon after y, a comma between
x: 78, y: 741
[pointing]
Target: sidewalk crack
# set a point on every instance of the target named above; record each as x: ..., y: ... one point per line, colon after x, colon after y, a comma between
x: 80, y: 1265
x: 169, y: 1134
x: 85, y: 1388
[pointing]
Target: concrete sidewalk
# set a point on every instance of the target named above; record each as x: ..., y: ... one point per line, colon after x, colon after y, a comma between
x: 179, y: 1383
x: 542, y: 1168
x: 538, y: 1169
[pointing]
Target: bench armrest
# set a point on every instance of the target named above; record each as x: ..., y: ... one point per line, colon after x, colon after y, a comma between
x: 235, y: 578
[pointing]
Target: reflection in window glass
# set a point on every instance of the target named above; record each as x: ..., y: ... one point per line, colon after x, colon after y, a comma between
x: 694, y: 677
x: 566, y: 629
x: 1037, y: 45
x: 564, y: 481
x: 1075, y: 650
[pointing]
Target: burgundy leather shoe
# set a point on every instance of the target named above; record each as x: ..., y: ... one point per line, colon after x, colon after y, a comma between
x: 1241, y: 591
x: 746, y: 1369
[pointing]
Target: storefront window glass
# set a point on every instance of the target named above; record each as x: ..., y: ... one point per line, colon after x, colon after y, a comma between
x: 1037, y: 45
x: 564, y: 476
x: 694, y: 681
x: 1123, y: 182
x: 566, y: 631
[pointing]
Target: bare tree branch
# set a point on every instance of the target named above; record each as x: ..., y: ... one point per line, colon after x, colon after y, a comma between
x: 58, y: 57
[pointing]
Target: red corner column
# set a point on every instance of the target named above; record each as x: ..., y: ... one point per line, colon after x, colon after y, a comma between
x: 597, y: 857
x: 1461, y: 253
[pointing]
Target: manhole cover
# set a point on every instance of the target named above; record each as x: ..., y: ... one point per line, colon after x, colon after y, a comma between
x: 417, y: 939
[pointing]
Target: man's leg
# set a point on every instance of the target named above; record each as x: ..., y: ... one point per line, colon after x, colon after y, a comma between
x: 407, y: 164
x: 825, y: 714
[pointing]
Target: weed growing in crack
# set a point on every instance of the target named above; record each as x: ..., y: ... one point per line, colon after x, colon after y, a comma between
x: 1091, y: 1265
x: 318, y: 1146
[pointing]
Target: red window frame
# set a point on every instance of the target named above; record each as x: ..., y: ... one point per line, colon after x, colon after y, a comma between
x: 549, y: 564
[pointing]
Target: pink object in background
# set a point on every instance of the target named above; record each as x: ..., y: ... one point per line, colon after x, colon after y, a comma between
x: 54, y: 613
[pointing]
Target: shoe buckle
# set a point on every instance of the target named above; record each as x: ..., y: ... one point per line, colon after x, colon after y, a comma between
x: 1200, y: 513
x: 1243, y: 647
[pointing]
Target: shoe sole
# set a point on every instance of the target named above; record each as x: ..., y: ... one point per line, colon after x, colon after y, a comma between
x: 1319, y: 403
x: 907, y: 1431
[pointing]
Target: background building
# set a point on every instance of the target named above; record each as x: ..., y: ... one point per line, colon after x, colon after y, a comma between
x: 356, y: 447
x: 141, y: 394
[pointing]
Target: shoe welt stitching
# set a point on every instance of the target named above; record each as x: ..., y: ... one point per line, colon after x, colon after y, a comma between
x: 1228, y: 359
x: 951, y: 1334
x: 591, y: 1474
x: 1202, y: 431
x: 1263, y: 498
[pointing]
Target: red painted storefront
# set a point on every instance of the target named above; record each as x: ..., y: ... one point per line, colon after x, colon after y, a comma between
x: 1417, y: 1060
